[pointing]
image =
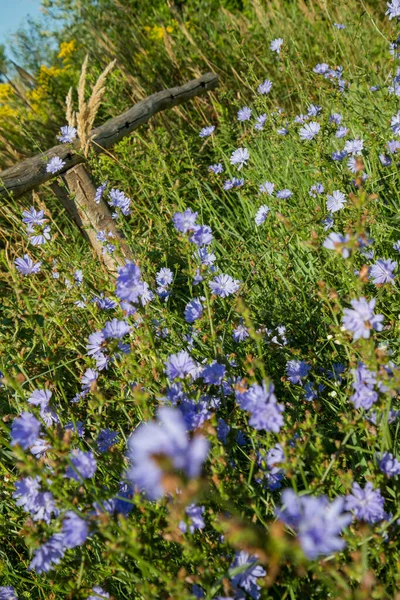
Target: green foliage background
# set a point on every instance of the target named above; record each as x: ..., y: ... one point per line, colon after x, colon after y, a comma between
x: 287, y: 278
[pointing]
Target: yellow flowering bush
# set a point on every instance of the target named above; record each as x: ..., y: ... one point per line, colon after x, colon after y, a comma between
x: 6, y: 91
x: 7, y: 112
x: 50, y: 79
x: 156, y: 32
x: 67, y: 50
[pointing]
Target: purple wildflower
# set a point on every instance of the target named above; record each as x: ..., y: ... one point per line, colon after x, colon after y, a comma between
x: 202, y: 235
x: 25, y: 430
x: 214, y: 373
x: 386, y: 161
x: 40, y: 505
x: 366, y: 504
x: 360, y: 319
x: 207, y: 131
x: 224, y: 285
x: 267, y: 188
x: 339, y: 155
x: 83, y: 465
x: 244, y: 114
x: 68, y: 134
x: 314, y: 110
x: 195, y: 413
x: 95, y: 343
x: 33, y: 217
x: 240, y: 333
x: 240, y: 157
x: 195, y: 515
x: 395, y: 124
x: 233, y: 183
x: 296, y: 370
x: 38, y: 239
x: 382, y: 271
x: 260, y: 401
x: 388, y: 464
x: 261, y: 214
x: 216, y: 169
x: 354, y: 147
x: 246, y: 580
x: 54, y: 165
x: 309, y: 131
x: 7, y: 593
x: 179, y: 365
x: 317, y: 521
x: 118, y: 199
x: 26, y: 266
x: 40, y: 398
x: 100, y: 594
x: 283, y: 194
x: 364, y: 397
x: 261, y: 120
x: 74, y: 529
x: 164, y: 277
x: 206, y: 257
x: 393, y: 146
x: 335, y: 201
x: 104, y: 303
x: 335, y: 118
x: 276, y: 44
x: 193, y: 310
x: 106, y: 439
x: 116, y: 329
x: 337, y: 241
x: 166, y: 437
x: 393, y: 10
x: 321, y: 68
x: 265, y: 87
x: 99, y: 193
x: 316, y: 189
x: 129, y: 285
x: 341, y: 132
x: 222, y: 430
x: 185, y: 221
x: 76, y: 427
x: 48, y: 555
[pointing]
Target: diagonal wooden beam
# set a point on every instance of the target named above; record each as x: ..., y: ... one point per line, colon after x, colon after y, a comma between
x: 32, y: 172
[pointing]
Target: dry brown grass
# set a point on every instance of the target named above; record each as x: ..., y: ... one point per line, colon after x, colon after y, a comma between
x: 87, y: 110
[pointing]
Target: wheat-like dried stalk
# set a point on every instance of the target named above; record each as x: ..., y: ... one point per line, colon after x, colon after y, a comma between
x: 98, y: 93
x: 87, y: 110
x: 82, y: 83
x: 81, y: 117
x: 70, y: 114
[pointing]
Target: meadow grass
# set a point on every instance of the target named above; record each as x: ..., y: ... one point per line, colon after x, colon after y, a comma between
x: 291, y: 300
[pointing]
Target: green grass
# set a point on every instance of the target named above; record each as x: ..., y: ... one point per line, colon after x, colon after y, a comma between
x: 286, y: 276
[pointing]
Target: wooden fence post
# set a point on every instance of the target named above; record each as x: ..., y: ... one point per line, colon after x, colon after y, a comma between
x: 77, y: 197
x: 79, y: 202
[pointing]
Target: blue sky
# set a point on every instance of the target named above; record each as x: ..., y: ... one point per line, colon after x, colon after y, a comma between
x: 13, y: 13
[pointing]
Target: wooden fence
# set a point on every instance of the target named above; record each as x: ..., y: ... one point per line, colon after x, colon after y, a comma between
x: 77, y: 191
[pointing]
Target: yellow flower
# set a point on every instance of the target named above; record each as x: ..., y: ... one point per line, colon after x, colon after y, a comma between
x: 5, y: 91
x: 157, y: 33
x: 67, y: 49
x: 6, y: 112
x: 35, y: 95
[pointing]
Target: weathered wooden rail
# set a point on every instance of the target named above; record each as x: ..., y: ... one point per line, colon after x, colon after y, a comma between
x: 77, y: 195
